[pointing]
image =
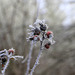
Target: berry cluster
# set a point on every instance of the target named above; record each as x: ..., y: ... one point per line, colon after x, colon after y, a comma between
x: 5, y: 56
x: 38, y: 31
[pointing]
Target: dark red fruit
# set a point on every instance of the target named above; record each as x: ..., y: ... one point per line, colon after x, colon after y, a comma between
x: 48, y: 33
x: 47, y: 46
x: 11, y: 51
x: 2, y: 65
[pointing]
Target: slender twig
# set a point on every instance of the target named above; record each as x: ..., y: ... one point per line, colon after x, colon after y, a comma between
x: 38, y: 57
x: 29, y: 58
x: 36, y: 63
x: 25, y: 59
x: 3, y: 51
x: 37, y: 11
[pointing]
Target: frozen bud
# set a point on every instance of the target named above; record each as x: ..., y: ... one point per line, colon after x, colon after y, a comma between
x: 49, y: 34
x: 42, y: 27
x: 36, y: 31
x: 47, y: 45
x: 4, y: 59
x: 11, y: 51
x: 35, y: 38
x: 2, y: 65
x: 31, y: 38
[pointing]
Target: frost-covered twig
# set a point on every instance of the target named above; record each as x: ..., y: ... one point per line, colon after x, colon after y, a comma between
x: 29, y: 58
x: 3, y: 51
x: 36, y: 62
x: 16, y: 57
x: 39, y: 55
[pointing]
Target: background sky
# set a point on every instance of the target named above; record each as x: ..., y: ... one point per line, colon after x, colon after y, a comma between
x: 68, y: 6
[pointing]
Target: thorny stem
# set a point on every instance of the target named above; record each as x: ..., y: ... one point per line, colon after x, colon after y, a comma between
x: 29, y: 58
x: 38, y: 57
